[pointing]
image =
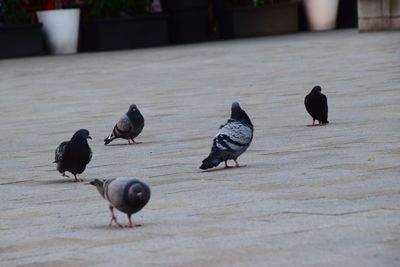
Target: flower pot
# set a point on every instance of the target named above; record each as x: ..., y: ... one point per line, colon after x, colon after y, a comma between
x: 321, y: 14
x: 61, y: 28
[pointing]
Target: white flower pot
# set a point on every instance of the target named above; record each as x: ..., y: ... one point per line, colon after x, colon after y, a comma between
x: 321, y: 14
x: 61, y: 28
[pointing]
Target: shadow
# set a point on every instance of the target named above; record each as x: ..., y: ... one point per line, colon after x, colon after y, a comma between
x: 115, y: 227
x: 318, y: 125
x: 123, y: 144
x: 216, y: 169
x: 63, y: 181
x: 118, y: 144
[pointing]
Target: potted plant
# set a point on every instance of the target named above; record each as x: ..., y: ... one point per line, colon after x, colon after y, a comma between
x: 60, y: 24
x: 248, y: 18
x: 124, y: 24
x: 19, y: 37
x: 321, y: 14
x: 188, y: 20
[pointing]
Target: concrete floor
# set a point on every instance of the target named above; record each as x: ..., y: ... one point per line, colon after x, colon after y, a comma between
x: 309, y: 196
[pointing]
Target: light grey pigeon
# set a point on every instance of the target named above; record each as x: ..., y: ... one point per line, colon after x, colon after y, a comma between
x: 74, y: 155
x: 232, y: 139
x: 128, y: 127
x: 125, y: 194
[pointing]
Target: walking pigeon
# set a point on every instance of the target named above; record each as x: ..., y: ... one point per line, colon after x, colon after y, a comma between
x: 74, y: 155
x: 317, y: 106
x: 232, y: 139
x: 125, y: 194
x: 128, y: 127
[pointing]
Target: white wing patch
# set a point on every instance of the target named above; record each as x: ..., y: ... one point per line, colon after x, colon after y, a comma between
x: 60, y: 151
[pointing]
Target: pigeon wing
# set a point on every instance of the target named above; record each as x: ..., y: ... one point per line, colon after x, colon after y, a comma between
x: 234, y: 136
x: 123, y: 127
x: 90, y: 155
x: 60, y: 152
x: 324, y: 107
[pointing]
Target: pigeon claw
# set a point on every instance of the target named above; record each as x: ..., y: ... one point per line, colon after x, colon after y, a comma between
x: 77, y: 180
x: 133, y: 142
x: 227, y: 166
x: 113, y: 217
x: 237, y: 165
x: 115, y: 220
x: 131, y: 224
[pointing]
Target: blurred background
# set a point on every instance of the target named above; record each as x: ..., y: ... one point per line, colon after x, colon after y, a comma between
x: 38, y: 27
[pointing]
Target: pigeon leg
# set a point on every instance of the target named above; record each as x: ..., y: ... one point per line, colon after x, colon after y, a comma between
x: 313, y: 123
x: 77, y: 179
x: 226, y: 165
x: 131, y: 224
x: 113, y: 217
x: 132, y: 142
x: 237, y: 165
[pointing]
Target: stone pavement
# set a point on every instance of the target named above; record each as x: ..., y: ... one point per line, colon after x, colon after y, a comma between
x: 309, y: 196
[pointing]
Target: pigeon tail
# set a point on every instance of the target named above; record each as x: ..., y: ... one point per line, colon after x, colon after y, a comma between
x: 211, y: 161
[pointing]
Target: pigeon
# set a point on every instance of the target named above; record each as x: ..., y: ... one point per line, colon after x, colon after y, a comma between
x: 128, y: 127
x: 74, y: 155
x: 125, y: 194
x: 232, y: 139
x: 317, y: 106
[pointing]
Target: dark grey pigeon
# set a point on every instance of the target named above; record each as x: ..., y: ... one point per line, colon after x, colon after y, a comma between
x: 232, y: 139
x: 125, y: 194
x: 73, y: 155
x: 317, y: 106
x: 128, y: 127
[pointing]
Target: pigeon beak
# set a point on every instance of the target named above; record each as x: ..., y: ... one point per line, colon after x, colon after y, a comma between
x: 89, y: 137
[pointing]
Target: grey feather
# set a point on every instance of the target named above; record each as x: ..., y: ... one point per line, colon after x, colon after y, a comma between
x: 232, y: 139
x: 60, y: 152
x: 129, y: 126
x: 125, y: 194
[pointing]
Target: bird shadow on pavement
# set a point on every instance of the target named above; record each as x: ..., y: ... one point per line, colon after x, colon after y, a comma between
x: 223, y: 169
x: 123, y: 144
x: 61, y: 181
x: 115, y: 227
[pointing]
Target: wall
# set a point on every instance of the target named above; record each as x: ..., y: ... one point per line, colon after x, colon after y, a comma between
x: 378, y: 15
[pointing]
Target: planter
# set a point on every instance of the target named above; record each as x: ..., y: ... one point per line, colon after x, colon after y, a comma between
x: 61, y: 28
x: 188, y: 20
x: 126, y: 33
x: 321, y: 14
x: 21, y: 41
x: 258, y: 21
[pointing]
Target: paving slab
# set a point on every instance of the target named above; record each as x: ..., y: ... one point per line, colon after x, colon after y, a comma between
x: 309, y: 196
